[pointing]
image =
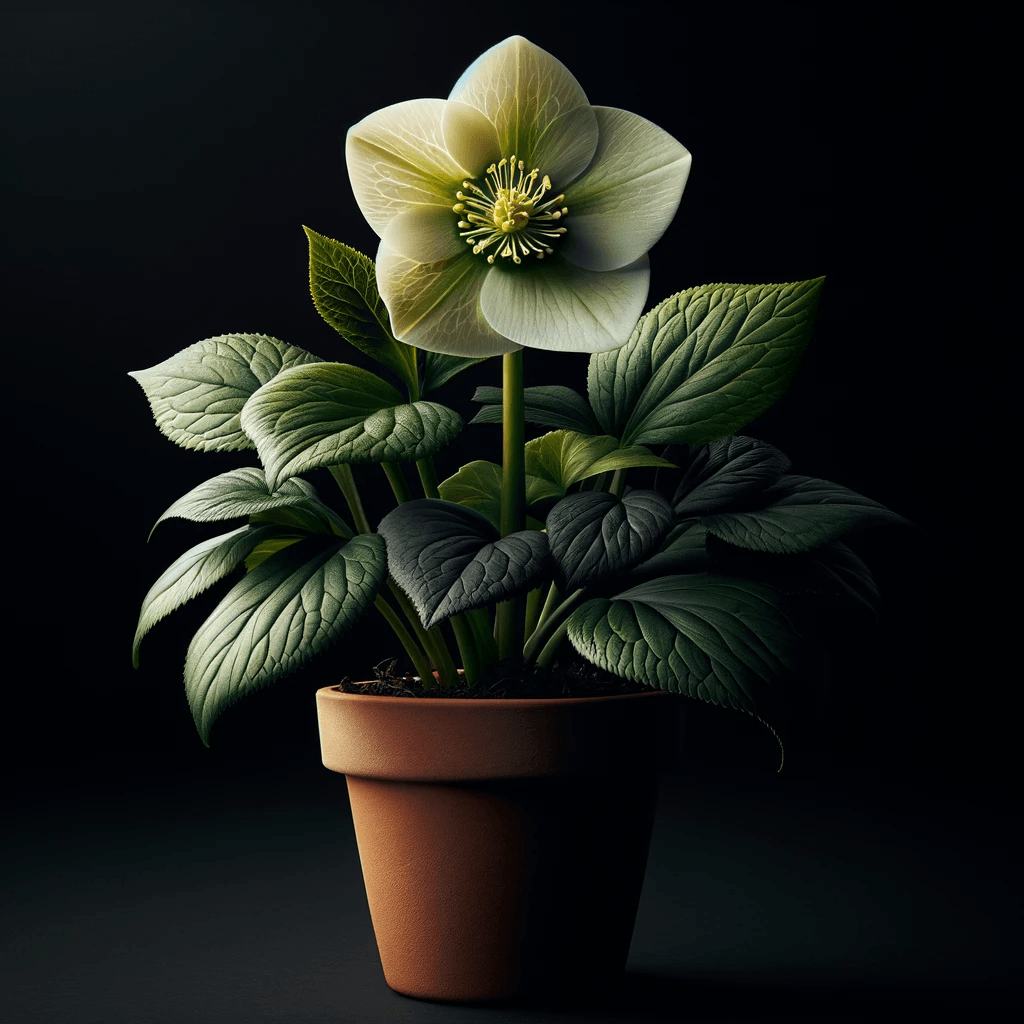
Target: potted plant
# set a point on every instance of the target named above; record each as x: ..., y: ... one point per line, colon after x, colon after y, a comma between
x: 546, y: 604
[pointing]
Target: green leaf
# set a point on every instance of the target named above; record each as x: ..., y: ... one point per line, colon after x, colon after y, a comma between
x: 197, y: 395
x: 683, y: 550
x: 800, y: 513
x: 279, y: 616
x: 551, y: 406
x: 831, y: 575
x: 565, y: 457
x: 703, y: 363
x: 594, y: 534
x: 334, y: 413
x: 725, y: 474
x: 478, y: 485
x: 244, y: 492
x: 715, y: 638
x: 450, y: 559
x: 264, y: 550
x: 438, y: 368
x: 343, y: 283
x: 195, y: 571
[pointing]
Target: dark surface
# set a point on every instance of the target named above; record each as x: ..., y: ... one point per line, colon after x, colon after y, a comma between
x: 158, y: 168
x: 769, y: 904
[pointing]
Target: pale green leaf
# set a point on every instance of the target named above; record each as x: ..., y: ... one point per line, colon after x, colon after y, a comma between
x: 335, y: 413
x: 703, y: 363
x: 195, y: 571
x: 197, y: 395
x: 278, y: 616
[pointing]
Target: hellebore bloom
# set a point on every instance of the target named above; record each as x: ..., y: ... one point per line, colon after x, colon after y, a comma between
x: 514, y: 213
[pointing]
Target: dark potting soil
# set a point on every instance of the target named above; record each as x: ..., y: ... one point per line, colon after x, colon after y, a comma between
x: 575, y: 680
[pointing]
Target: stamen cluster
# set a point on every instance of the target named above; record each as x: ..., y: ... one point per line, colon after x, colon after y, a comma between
x: 510, y: 211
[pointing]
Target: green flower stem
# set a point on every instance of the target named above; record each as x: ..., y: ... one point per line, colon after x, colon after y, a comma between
x: 553, y: 626
x: 393, y: 471
x: 416, y: 654
x: 508, y: 615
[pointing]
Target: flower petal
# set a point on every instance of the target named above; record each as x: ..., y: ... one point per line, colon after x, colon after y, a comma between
x: 436, y: 306
x: 539, y: 110
x: 397, y: 161
x: 471, y: 139
x: 555, y: 305
x: 628, y: 196
x: 426, y: 234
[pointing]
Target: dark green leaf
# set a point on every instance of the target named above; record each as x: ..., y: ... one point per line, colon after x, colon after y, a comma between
x: 551, y: 406
x: 715, y: 638
x: 831, y: 575
x: 703, y: 363
x: 197, y: 395
x: 725, y: 474
x: 449, y: 558
x: 278, y: 616
x: 800, y: 513
x: 594, y: 534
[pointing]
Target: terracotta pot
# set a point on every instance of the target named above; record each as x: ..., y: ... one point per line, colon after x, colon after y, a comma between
x: 503, y: 842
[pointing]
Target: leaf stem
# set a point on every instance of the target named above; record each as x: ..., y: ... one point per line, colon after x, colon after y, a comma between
x: 432, y: 639
x: 393, y: 471
x: 428, y: 476
x: 554, y: 625
x: 416, y: 653
x: 346, y: 481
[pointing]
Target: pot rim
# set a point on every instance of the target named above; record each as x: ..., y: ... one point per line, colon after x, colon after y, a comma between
x: 473, y: 738
x: 334, y: 693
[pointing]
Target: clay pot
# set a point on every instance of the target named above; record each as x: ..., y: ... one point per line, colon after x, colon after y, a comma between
x: 503, y: 842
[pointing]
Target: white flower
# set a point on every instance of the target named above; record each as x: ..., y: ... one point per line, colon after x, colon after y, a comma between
x: 514, y: 213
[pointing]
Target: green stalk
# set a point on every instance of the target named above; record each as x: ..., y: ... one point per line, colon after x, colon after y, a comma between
x: 533, y: 607
x: 483, y: 636
x: 428, y: 477
x: 508, y: 615
x: 432, y: 642
x: 347, y: 482
x: 553, y: 626
x: 551, y: 647
x: 416, y: 654
x: 550, y: 603
x: 393, y: 471
x: 618, y: 484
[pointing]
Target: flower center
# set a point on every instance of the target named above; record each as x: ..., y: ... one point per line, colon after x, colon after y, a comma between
x: 508, y: 212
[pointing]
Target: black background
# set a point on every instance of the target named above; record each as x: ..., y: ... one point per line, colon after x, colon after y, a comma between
x: 159, y: 168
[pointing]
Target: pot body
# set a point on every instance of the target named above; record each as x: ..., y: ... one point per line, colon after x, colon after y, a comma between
x: 503, y: 842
